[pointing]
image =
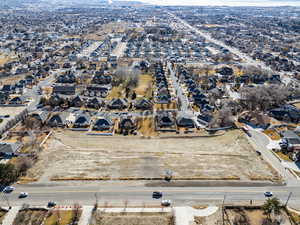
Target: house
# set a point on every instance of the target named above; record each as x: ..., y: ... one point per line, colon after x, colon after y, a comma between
x: 143, y: 104
x: 82, y: 121
x: 185, y: 121
x: 3, y: 97
x: 10, y: 89
x: 29, y: 79
x: 41, y: 116
x: 9, y: 148
x: 118, y: 103
x: 102, y: 79
x: 286, y: 113
x: 18, y: 100
x: 204, y: 118
x: 255, y: 119
x: 58, y: 120
x: 66, y: 79
x: 64, y: 89
x: 77, y: 102
x: 96, y: 90
x: 103, y: 124
x: 165, y: 120
x: 94, y: 103
x: 127, y: 124
x: 290, y: 144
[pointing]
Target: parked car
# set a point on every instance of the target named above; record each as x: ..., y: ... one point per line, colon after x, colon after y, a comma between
x: 166, y: 202
x: 8, y: 189
x: 23, y: 195
x: 268, y: 194
x: 51, y: 204
x: 157, y: 194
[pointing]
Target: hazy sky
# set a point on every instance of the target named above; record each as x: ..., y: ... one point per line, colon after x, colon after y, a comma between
x: 225, y: 2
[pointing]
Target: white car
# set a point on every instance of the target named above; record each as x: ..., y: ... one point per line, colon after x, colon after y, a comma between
x: 166, y: 202
x: 23, y: 195
x: 8, y: 189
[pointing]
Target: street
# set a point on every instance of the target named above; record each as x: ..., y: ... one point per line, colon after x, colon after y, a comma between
x: 136, y: 195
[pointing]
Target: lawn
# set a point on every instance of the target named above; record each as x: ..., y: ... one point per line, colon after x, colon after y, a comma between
x: 64, y: 217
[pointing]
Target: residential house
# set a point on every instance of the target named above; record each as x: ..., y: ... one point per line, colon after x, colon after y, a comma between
x: 143, y: 104
x: 103, y: 124
x: 18, y: 100
x: 185, y: 121
x: 165, y: 120
x: 64, y: 89
x: 58, y: 120
x: 82, y: 121
x: 118, y: 103
x: 9, y: 148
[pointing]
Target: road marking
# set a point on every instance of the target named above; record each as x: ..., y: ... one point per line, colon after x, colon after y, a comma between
x: 147, y: 191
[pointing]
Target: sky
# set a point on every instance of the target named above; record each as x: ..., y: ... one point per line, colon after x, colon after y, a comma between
x: 225, y: 2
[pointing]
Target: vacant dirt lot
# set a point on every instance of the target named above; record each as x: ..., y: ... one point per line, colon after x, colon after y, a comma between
x: 251, y: 216
x: 133, y: 219
x: 75, y: 154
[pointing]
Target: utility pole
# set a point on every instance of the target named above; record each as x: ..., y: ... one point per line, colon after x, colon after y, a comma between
x: 96, y: 196
x: 287, y: 201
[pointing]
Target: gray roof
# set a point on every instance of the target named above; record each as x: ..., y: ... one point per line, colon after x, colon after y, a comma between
x: 7, y: 147
x: 288, y: 134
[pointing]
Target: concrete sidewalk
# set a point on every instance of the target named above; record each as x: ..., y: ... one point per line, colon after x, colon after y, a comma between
x: 85, y: 215
x: 185, y: 215
x: 10, y: 216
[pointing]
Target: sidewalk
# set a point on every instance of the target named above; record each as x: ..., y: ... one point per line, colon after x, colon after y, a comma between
x: 10, y: 216
x: 86, y: 215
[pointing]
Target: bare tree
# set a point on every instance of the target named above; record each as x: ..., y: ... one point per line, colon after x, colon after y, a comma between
x: 126, y: 76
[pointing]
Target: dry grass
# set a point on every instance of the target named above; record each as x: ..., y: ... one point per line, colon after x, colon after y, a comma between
x: 30, y: 217
x: 250, y: 216
x: 295, y: 216
x: 272, y: 134
x: 144, y: 158
x: 146, y: 126
x: 283, y: 156
x: 171, y: 105
x: 144, y: 88
x: 12, y: 79
x: 116, y: 92
x: 134, y: 219
x: 64, y: 217
x: 2, y: 214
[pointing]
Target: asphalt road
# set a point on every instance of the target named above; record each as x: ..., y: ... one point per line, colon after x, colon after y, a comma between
x: 85, y: 195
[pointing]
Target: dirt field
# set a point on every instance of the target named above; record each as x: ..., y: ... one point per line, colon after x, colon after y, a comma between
x: 133, y: 219
x: 30, y: 217
x: 251, y: 216
x: 74, y: 154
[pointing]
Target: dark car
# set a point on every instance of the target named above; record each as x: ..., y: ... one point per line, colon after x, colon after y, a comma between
x: 51, y: 204
x: 157, y: 194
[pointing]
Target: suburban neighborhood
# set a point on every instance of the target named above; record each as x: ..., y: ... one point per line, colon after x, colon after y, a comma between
x: 124, y: 112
